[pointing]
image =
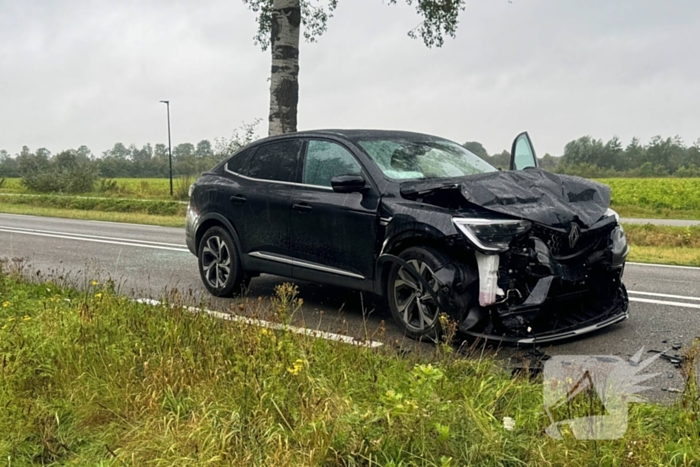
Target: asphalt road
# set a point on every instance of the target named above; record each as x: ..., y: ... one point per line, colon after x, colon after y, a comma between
x: 149, y: 261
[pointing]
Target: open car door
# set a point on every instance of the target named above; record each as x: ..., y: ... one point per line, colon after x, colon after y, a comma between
x: 522, y: 153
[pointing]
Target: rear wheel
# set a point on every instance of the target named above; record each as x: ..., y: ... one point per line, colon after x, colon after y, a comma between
x: 412, y: 306
x: 219, y: 263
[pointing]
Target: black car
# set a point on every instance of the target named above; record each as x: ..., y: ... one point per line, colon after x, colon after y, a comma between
x: 521, y: 256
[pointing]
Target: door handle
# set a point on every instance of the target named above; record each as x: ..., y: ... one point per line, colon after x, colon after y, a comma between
x: 301, y: 207
x: 238, y: 199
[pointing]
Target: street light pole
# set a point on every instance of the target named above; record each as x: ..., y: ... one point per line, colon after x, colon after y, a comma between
x: 170, y: 149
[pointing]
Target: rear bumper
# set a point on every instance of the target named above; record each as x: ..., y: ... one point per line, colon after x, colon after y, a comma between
x: 191, y: 220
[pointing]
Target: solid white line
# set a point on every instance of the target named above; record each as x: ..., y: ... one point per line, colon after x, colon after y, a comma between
x: 87, y: 221
x: 655, y: 265
x: 71, y: 234
x: 277, y: 326
x: 94, y: 240
x: 661, y: 302
x: 652, y: 294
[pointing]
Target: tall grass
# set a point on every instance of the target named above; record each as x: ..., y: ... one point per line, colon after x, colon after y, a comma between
x: 91, y: 378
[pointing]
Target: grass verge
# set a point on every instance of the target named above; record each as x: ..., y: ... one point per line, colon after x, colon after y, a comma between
x: 91, y: 378
x: 657, y: 213
x: 665, y: 255
x: 128, y: 217
x: 142, y: 188
x: 153, y: 207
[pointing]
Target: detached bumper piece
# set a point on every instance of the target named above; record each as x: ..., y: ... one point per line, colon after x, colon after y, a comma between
x: 551, y: 291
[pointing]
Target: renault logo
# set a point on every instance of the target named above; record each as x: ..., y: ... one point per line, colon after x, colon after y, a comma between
x: 574, y: 235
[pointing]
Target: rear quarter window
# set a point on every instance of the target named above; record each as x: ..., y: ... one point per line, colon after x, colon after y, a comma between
x: 238, y: 163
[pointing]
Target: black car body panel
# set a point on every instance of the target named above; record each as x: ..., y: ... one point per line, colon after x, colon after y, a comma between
x: 533, y: 194
x: 560, y: 277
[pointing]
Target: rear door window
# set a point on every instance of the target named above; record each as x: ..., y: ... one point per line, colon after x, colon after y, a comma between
x: 276, y: 161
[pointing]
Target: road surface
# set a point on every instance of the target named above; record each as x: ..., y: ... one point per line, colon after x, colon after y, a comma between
x: 148, y: 261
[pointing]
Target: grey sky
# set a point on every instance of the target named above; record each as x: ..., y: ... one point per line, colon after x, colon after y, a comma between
x: 92, y: 72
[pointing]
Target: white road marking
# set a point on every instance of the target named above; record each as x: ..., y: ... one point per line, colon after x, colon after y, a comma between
x: 277, y: 326
x: 71, y: 234
x: 652, y: 294
x: 95, y: 240
x: 180, y: 248
x: 662, y: 302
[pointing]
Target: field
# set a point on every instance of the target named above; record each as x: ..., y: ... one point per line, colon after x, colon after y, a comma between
x: 143, y: 188
x: 91, y: 378
x: 642, y: 197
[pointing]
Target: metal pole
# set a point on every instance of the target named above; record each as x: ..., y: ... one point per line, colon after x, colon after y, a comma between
x: 170, y: 149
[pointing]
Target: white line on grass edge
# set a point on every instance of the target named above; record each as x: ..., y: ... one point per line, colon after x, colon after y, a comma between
x: 277, y: 326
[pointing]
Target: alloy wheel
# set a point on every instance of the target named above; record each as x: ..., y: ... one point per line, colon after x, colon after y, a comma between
x: 216, y: 262
x: 415, y: 305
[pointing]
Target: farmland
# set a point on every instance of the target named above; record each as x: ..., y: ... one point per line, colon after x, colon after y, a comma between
x: 669, y: 198
x: 657, y: 195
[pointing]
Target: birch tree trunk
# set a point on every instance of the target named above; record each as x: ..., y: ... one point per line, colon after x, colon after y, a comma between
x: 284, y: 76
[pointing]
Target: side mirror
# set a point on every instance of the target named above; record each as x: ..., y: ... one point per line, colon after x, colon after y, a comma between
x: 350, y: 183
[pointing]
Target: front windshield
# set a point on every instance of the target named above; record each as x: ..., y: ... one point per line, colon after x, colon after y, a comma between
x: 402, y: 159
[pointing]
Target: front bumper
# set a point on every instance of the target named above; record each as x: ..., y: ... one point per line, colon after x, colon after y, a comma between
x: 544, y: 297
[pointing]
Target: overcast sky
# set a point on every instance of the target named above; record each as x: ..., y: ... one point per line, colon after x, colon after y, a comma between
x: 91, y: 72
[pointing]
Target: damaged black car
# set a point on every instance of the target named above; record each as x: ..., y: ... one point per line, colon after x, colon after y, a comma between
x: 521, y: 256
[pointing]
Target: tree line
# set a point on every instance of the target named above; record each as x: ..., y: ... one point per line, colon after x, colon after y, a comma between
x: 77, y: 170
x: 594, y: 158
x: 586, y: 156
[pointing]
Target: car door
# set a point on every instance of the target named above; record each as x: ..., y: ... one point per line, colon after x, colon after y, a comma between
x: 259, y: 205
x: 522, y: 154
x: 334, y: 234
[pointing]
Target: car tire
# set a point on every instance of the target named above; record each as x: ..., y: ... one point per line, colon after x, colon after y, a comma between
x: 412, y: 308
x: 219, y: 263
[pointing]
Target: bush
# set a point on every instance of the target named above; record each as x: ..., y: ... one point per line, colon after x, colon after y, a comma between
x: 63, y: 173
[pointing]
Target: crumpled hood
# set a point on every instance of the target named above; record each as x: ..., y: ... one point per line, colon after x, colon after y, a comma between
x: 532, y: 194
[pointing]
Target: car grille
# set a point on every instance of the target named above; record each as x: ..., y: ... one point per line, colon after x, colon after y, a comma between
x: 558, y: 240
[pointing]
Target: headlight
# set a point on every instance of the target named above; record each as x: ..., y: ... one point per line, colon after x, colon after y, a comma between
x: 612, y: 212
x: 491, y: 234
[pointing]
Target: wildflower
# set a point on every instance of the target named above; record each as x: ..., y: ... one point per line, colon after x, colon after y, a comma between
x: 264, y: 332
x: 98, y: 295
x: 508, y: 423
x: 298, y: 365
x: 94, y: 283
x: 26, y: 318
x: 10, y: 319
x: 5, y: 304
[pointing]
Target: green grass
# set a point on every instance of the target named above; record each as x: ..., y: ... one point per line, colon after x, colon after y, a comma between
x: 142, y: 188
x: 663, y: 194
x: 128, y: 217
x: 90, y: 378
x: 657, y: 213
x: 145, y: 206
x: 665, y: 255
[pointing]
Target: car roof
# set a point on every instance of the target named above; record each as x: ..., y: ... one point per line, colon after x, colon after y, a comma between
x: 358, y: 134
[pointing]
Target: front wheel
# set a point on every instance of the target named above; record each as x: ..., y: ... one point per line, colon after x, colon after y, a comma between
x: 413, y: 307
x: 219, y: 264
